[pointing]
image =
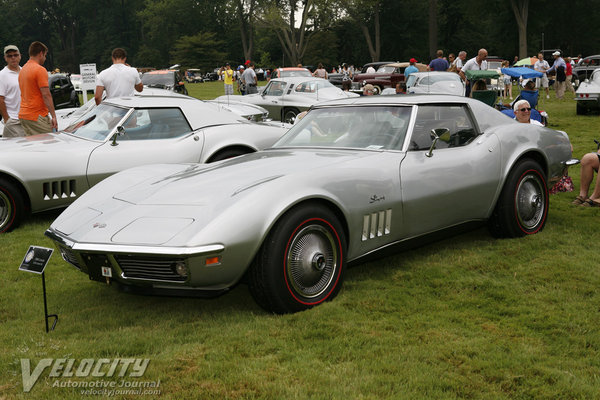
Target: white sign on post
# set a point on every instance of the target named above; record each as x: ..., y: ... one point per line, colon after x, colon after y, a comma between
x: 88, y: 77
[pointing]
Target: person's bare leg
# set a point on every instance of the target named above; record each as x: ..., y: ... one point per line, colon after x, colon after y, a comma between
x: 589, y: 164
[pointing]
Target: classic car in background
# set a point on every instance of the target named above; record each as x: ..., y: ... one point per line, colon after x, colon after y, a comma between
x: 584, y: 68
x: 62, y: 90
x: 284, y: 98
x: 587, y: 95
x: 50, y: 171
x: 387, y: 76
x: 435, y: 83
x: 336, y: 78
x: 352, y: 177
x: 164, y: 79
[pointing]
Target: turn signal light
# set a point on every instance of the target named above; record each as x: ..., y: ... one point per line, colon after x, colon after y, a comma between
x: 213, y: 260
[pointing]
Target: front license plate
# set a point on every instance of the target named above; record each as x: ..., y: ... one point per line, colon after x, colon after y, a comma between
x: 107, y: 271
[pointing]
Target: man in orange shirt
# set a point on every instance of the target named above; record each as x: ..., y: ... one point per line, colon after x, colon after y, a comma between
x: 36, y: 100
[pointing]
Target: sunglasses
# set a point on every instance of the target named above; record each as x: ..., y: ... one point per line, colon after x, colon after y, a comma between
x: 525, y: 109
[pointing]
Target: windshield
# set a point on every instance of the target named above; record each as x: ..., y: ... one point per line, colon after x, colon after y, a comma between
x: 431, y: 79
x: 386, y: 69
x: 313, y: 86
x: 98, y: 123
x: 158, y: 79
x: 286, y: 73
x: 374, y: 128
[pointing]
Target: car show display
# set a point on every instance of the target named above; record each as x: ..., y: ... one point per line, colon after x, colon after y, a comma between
x: 352, y: 178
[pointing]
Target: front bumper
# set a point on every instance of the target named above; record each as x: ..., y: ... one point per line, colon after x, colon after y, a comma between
x: 146, y: 266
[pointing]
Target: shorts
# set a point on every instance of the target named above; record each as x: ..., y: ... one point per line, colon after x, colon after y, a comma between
x: 507, y: 80
x: 543, y: 81
x: 13, y: 128
x: 228, y: 89
x: 41, y: 125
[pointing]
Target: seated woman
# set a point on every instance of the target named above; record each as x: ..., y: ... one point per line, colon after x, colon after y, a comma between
x: 522, y: 111
x: 479, y: 85
x: 589, y: 163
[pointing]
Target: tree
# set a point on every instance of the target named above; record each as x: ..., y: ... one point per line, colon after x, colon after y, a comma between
x: 294, y: 36
x: 433, y: 27
x: 520, y: 9
x: 245, y: 12
x: 200, y: 51
x: 366, y: 14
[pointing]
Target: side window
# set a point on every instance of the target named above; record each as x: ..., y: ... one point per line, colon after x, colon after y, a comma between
x: 155, y: 123
x: 275, y: 88
x: 455, y: 118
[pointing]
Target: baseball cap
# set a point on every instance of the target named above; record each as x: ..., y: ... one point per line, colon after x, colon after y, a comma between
x: 556, y: 53
x: 11, y: 47
x: 413, y: 60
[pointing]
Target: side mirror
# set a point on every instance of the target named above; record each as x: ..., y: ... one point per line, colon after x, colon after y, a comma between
x: 120, y: 132
x: 442, y: 134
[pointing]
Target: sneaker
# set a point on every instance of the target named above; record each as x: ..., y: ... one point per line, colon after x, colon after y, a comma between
x: 547, y: 96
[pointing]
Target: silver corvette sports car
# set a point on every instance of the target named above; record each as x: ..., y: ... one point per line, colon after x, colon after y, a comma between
x: 351, y: 178
x: 49, y: 171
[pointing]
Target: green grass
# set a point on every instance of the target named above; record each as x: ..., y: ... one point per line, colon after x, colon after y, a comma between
x: 468, y: 317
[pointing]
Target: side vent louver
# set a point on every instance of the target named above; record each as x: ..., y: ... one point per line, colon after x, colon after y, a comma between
x: 60, y: 189
x: 376, y: 224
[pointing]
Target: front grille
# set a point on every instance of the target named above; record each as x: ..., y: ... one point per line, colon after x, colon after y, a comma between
x: 70, y: 257
x: 153, y: 268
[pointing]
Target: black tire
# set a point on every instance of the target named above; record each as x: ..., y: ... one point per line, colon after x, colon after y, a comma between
x: 289, y: 115
x: 12, y: 206
x: 301, y: 263
x: 581, y: 109
x: 522, y: 207
x: 227, y: 153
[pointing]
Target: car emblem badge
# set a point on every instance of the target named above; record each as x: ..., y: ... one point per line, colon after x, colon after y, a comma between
x: 99, y: 225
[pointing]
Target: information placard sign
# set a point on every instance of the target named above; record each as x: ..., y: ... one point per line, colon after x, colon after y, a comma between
x: 88, y: 78
x: 36, y: 259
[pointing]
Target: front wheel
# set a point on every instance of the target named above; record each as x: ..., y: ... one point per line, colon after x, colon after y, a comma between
x: 289, y: 115
x: 11, y: 206
x: 301, y: 262
x: 522, y: 207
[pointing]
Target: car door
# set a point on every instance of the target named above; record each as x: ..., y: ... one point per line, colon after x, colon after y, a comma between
x: 151, y: 136
x: 272, y: 97
x: 457, y: 181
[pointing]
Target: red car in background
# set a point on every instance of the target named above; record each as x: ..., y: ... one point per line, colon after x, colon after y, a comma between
x: 387, y: 76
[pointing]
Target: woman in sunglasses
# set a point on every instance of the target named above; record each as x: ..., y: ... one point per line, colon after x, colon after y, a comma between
x: 522, y: 111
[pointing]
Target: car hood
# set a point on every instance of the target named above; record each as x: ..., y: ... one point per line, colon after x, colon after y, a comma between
x: 215, y: 183
x: 46, y: 143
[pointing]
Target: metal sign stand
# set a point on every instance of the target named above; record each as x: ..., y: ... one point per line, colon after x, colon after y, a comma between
x: 46, y: 306
x: 35, y: 261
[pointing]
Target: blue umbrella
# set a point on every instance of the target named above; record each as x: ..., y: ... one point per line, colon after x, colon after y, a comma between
x: 526, y: 73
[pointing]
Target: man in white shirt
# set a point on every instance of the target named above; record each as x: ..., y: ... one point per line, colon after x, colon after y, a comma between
x: 10, y: 93
x: 475, y: 63
x: 542, y: 66
x: 119, y: 79
x: 460, y: 60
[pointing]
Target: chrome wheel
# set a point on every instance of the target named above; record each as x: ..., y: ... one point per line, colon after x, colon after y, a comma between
x: 312, y: 261
x: 530, y: 202
x: 6, y: 211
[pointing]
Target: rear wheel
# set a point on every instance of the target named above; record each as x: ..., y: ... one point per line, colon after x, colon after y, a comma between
x: 522, y: 207
x: 301, y: 262
x: 11, y: 206
x: 377, y: 89
x: 289, y: 115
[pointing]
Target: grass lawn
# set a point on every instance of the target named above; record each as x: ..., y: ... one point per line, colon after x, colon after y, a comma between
x: 468, y: 317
